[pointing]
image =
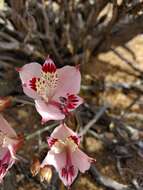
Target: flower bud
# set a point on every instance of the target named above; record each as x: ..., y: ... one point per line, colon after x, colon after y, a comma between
x: 35, y: 168
x: 45, y: 174
x: 5, y: 102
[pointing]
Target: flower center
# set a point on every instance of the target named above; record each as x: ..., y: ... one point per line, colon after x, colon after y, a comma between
x: 58, y: 146
x: 47, y: 83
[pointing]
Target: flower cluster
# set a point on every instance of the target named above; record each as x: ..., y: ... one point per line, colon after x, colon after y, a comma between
x: 55, y: 93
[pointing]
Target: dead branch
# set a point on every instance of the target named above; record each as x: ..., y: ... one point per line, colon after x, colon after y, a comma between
x: 107, y: 182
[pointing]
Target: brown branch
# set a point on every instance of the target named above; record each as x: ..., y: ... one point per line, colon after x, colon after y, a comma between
x: 93, y: 121
x: 107, y: 182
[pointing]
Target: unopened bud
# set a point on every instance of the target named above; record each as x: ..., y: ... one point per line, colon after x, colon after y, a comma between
x: 46, y: 174
x: 5, y: 102
x: 35, y: 168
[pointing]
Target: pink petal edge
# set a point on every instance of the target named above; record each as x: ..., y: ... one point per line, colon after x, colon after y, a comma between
x: 69, y: 81
x: 27, y: 72
x: 6, y: 128
x: 48, y: 111
x: 81, y: 160
x: 62, y: 132
x: 30, y: 70
x: 54, y: 160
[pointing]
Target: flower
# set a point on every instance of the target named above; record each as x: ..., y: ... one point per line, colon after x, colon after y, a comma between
x: 65, y: 155
x: 9, y: 144
x: 54, y: 90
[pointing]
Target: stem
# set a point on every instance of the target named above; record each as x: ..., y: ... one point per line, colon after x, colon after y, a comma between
x: 18, y: 100
x: 94, y: 120
x: 40, y: 131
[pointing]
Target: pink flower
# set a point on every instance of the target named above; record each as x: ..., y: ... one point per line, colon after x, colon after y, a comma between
x: 65, y: 155
x: 9, y: 144
x: 54, y: 90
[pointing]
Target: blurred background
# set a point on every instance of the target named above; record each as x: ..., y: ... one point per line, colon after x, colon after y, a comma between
x: 104, y: 37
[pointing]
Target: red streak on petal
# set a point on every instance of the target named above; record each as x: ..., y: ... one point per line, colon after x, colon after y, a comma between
x: 32, y: 83
x: 76, y: 139
x: 69, y: 102
x: 51, y: 141
x: 49, y: 66
x: 70, y: 106
x: 72, y: 101
x: 64, y: 110
x: 72, y: 98
x: 68, y: 171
